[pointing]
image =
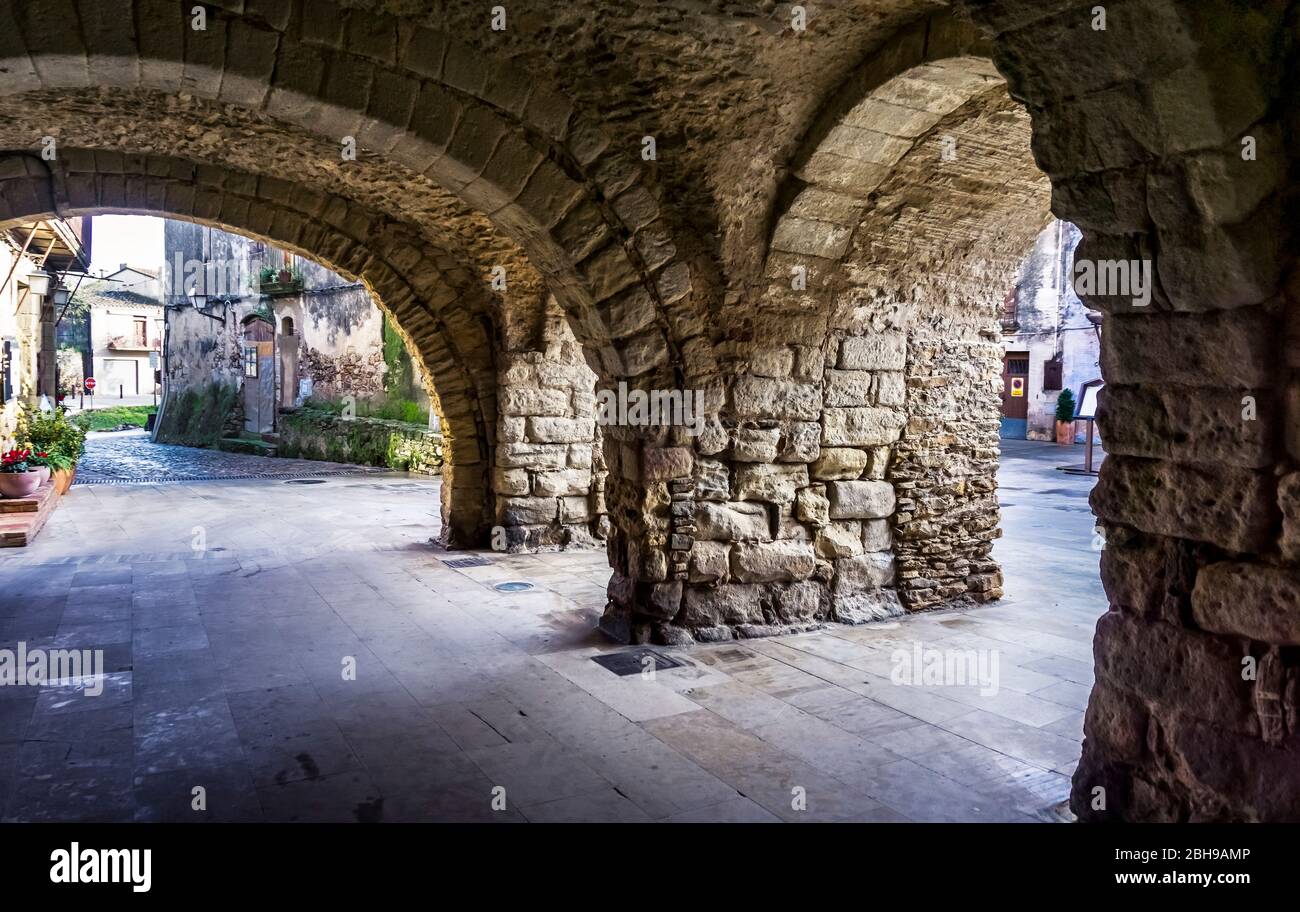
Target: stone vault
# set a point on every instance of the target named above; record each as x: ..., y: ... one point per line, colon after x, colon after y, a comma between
x: 811, y: 227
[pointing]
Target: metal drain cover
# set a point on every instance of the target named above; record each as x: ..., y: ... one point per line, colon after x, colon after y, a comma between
x: 305, y: 481
x: 512, y: 587
x: 459, y: 562
x: 633, y: 661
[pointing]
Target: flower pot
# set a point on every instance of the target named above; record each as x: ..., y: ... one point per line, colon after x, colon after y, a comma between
x: 63, y: 479
x: 44, y: 472
x: 19, y: 484
x: 1065, y: 432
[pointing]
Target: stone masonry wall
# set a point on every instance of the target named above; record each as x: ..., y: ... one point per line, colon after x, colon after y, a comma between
x: 549, y: 478
x: 1178, y: 158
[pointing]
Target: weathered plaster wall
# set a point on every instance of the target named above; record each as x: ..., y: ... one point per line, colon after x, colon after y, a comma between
x: 1053, y: 321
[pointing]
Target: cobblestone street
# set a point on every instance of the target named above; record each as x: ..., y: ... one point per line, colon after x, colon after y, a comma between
x: 228, y: 610
x: 132, y: 456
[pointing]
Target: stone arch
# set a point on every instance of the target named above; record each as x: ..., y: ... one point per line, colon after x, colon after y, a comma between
x: 910, y: 219
x: 361, y: 245
x: 507, y: 147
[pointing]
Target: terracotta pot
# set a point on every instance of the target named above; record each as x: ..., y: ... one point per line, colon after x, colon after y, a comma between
x: 1065, y: 432
x: 63, y: 479
x: 285, y: 276
x: 19, y: 484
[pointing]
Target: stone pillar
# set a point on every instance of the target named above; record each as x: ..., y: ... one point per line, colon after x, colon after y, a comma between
x: 1172, y: 162
x: 771, y: 520
x: 47, y: 364
x: 549, y: 475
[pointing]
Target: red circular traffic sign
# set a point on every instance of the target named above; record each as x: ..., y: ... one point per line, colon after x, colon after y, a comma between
x: 90, y: 383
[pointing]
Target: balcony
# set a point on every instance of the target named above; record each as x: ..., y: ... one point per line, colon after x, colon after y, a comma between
x: 134, y: 343
x: 273, y: 283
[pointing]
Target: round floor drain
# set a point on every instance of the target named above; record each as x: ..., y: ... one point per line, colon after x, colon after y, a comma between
x: 512, y: 587
x: 305, y: 481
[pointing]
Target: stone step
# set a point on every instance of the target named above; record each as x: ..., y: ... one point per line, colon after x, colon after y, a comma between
x: 22, y: 518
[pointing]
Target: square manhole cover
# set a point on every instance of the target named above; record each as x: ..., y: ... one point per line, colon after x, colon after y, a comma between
x: 633, y: 661
x: 457, y: 563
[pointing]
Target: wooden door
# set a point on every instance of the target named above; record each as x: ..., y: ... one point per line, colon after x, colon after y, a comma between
x: 1015, y: 385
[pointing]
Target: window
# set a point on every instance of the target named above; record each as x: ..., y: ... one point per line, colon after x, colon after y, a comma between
x: 250, y: 360
x: 141, y: 332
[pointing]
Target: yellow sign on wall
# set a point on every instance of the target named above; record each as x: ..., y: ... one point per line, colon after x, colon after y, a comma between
x: 1017, y: 386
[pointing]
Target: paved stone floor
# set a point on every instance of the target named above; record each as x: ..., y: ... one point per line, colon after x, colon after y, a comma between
x: 227, y: 610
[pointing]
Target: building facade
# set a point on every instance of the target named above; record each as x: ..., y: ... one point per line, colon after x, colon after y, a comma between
x: 37, y: 261
x: 251, y: 329
x: 1051, y: 341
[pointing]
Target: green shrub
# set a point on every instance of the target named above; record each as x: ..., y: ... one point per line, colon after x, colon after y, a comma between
x: 1065, y: 406
x: 53, y: 432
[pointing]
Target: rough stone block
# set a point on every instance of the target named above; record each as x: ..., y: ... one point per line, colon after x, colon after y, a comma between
x: 1179, y: 669
x: 1213, y: 426
x: 1232, y: 349
x: 763, y: 397
x: 885, y: 351
x: 529, y: 402
x: 860, y: 499
x: 561, y: 483
x: 811, y: 505
x: 770, y: 482
x: 800, y: 602
x: 800, y: 441
x: 888, y: 388
x: 860, y: 426
x: 710, y: 562
x: 771, y: 562
x: 529, y: 511
x: 876, y: 535
x: 560, y: 430
x: 865, y: 607
x: 1254, y: 601
x: 839, y: 464
x: 532, y: 455
x: 755, y: 444
x: 732, y: 522
x: 1229, y: 507
x: 848, y: 388
x: 863, y: 573
x: 664, y: 463
x: 712, y: 480
x: 839, y: 539
x: 510, y: 481
x: 730, y: 603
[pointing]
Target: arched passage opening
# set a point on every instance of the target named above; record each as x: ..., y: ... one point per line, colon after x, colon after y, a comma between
x: 465, y: 204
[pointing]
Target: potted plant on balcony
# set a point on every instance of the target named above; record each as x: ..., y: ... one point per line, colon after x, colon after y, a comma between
x: 17, y: 477
x: 1065, y: 418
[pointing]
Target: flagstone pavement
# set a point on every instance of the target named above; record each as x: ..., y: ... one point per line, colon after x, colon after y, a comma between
x: 302, y: 652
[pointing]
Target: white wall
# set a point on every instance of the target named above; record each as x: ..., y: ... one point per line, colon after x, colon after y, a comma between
x: 1052, y: 321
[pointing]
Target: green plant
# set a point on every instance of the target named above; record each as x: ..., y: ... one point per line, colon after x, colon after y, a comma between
x: 53, y: 432
x: 1065, y: 406
x: 113, y: 417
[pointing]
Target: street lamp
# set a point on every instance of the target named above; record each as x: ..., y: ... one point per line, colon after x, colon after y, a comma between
x: 61, y: 296
x: 38, y: 283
